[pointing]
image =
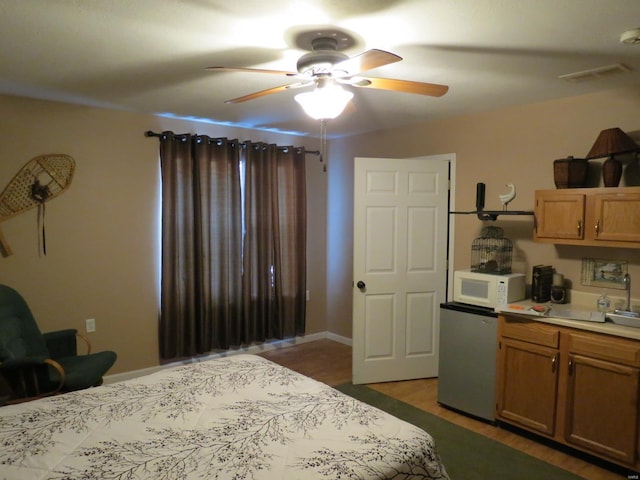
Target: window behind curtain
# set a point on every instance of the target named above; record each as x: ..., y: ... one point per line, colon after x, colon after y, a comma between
x: 233, y: 244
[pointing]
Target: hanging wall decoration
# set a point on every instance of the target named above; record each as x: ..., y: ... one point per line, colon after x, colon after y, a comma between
x: 40, y: 180
x: 598, y: 272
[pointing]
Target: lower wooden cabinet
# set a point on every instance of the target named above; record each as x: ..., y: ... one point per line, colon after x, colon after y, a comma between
x: 577, y: 388
x: 602, y: 408
x: 529, y: 385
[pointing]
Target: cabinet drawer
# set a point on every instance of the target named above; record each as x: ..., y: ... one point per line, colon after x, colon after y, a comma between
x: 619, y: 350
x: 532, y: 332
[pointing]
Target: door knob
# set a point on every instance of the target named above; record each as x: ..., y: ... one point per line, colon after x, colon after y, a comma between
x: 361, y: 285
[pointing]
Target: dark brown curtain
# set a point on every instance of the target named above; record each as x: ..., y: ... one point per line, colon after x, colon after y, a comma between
x: 274, y: 248
x: 233, y: 245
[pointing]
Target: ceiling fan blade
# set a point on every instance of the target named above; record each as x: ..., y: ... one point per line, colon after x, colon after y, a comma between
x: 262, y: 93
x: 365, y: 61
x: 349, y: 109
x: 252, y: 70
x: 431, y: 89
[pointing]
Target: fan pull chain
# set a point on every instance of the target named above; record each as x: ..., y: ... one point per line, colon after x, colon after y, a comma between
x: 323, y: 143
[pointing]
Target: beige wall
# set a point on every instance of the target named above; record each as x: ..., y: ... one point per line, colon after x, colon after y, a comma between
x: 102, y: 233
x: 515, y: 145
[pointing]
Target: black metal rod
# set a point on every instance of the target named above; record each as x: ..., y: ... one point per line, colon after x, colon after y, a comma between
x: 480, y: 192
x: 150, y: 133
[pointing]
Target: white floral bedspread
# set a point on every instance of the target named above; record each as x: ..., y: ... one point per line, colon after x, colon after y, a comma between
x: 238, y: 417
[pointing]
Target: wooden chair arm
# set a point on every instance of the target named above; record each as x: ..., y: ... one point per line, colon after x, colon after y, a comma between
x: 85, y: 340
x: 63, y: 379
x: 64, y: 343
x: 61, y: 372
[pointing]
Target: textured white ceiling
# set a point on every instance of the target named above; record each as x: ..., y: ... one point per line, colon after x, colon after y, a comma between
x: 150, y: 55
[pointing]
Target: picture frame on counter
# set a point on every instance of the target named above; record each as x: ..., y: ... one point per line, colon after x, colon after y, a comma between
x: 598, y: 272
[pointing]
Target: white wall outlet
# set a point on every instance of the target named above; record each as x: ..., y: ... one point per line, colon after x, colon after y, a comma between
x: 90, y: 324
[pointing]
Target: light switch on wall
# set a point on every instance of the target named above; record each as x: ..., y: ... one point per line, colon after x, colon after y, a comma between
x: 90, y: 324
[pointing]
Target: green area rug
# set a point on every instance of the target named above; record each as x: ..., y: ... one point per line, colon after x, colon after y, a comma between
x: 466, y: 455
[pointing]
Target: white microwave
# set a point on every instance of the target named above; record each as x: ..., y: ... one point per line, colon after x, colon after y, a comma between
x: 488, y: 290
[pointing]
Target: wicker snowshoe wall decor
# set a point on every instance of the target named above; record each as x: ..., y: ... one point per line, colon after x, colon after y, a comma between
x: 41, y: 179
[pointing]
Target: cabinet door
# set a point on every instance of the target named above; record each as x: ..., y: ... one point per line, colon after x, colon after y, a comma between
x: 602, y: 407
x: 559, y: 215
x: 616, y: 217
x: 527, y: 385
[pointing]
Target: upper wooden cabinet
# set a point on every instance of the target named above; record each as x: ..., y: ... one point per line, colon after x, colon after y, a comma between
x: 607, y: 217
x: 559, y: 215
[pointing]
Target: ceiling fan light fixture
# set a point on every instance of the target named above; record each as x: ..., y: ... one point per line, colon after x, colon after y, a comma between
x: 324, y: 102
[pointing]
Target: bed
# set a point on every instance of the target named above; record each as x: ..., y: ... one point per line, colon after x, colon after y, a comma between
x: 236, y: 417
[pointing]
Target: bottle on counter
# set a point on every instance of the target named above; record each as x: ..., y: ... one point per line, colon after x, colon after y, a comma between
x: 604, y: 302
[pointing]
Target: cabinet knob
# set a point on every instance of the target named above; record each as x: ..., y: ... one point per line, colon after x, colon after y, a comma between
x: 570, y: 366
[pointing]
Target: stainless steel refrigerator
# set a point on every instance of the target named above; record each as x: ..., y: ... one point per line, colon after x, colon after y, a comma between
x: 467, y: 363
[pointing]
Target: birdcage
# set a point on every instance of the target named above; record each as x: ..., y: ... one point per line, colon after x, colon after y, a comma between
x: 491, y: 253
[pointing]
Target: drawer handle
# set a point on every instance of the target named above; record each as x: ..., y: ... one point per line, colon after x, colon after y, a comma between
x: 597, y: 227
x: 579, y: 228
x: 554, y: 361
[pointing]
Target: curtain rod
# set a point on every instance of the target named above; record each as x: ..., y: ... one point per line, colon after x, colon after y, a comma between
x: 150, y: 133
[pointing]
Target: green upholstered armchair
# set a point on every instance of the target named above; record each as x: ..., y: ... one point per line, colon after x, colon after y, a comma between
x: 33, y: 364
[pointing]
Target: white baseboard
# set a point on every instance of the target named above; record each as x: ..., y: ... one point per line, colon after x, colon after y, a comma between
x: 338, y: 338
x: 264, y: 347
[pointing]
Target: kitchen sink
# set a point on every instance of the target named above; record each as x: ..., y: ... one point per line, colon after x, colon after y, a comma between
x: 630, y: 319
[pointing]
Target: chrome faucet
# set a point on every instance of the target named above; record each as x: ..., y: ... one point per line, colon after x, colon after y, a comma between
x: 619, y: 314
x: 627, y: 312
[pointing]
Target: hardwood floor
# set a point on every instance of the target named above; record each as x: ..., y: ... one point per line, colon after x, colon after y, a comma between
x: 330, y: 363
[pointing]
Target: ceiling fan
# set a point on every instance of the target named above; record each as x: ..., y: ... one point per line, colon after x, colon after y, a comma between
x: 326, y: 67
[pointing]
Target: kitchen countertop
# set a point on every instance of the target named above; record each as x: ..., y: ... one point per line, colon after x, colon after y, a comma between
x: 522, y: 309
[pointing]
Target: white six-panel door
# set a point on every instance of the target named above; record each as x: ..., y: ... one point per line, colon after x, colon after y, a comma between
x: 400, y: 242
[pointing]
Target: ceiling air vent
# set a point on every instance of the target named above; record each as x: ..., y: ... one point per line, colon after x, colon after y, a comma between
x: 595, y: 73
